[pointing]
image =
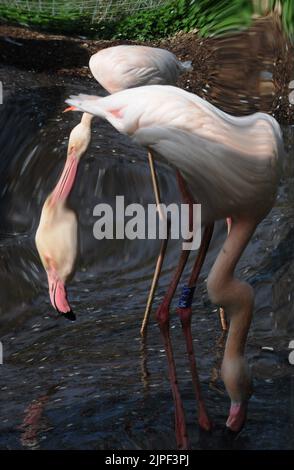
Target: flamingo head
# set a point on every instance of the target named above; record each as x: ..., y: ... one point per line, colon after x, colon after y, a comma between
x: 56, y: 242
x: 58, y: 294
x: 80, y: 137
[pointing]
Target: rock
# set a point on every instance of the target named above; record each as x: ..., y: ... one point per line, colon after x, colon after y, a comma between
x: 291, y: 97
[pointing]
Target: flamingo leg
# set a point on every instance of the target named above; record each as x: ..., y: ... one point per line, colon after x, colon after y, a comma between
x: 238, y: 299
x: 153, y: 287
x: 222, y: 314
x: 162, y: 316
x: 185, y: 312
x: 162, y: 252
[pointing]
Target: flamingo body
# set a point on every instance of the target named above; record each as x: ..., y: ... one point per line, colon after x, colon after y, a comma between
x: 229, y: 163
x: 121, y: 67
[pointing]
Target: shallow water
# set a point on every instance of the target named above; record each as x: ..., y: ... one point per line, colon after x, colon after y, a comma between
x: 84, y: 385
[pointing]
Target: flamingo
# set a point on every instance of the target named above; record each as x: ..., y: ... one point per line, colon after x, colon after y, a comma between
x: 230, y: 165
x: 121, y: 67
x: 56, y: 236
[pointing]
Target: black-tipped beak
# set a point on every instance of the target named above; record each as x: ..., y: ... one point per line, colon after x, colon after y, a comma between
x: 69, y: 315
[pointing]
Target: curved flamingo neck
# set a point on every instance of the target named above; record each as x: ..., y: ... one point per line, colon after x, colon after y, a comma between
x: 66, y: 180
x: 87, y: 119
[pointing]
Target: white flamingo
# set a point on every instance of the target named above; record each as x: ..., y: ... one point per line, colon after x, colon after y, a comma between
x: 56, y: 236
x: 230, y: 166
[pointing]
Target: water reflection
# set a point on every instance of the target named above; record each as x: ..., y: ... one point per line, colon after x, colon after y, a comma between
x: 33, y: 423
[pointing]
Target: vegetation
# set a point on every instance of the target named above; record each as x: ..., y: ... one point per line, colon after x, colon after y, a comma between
x: 287, y: 7
x: 66, y: 21
x: 210, y: 17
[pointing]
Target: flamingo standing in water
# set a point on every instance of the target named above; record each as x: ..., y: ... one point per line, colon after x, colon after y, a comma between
x: 56, y: 236
x: 229, y: 165
x: 115, y: 68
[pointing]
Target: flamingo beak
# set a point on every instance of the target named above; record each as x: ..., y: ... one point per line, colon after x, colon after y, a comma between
x: 70, y: 108
x: 69, y: 315
x: 58, y: 297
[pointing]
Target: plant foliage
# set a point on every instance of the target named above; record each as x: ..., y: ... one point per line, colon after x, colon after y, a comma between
x: 210, y: 17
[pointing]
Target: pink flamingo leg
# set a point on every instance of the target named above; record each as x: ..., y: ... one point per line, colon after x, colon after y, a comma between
x: 185, y: 312
x: 162, y: 316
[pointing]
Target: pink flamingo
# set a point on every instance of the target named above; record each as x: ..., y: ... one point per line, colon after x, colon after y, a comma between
x: 120, y: 67
x: 56, y: 236
x: 230, y: 166
x: 115, y: 68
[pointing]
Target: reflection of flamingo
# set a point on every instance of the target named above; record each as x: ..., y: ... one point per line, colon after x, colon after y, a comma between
x: 56, y: 237
x: 33, y: 421
x: 230, y: 166
x: 120, y: 67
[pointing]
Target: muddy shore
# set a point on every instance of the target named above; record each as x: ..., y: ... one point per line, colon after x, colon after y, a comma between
x: 242, y: 73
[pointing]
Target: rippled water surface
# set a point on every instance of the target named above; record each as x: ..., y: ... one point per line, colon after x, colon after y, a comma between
x: 84, y: 385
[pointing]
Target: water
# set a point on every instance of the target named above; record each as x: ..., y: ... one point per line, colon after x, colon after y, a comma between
x: 84, y: 385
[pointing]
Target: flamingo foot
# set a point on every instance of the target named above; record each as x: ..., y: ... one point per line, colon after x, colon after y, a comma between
x: 237, y: 417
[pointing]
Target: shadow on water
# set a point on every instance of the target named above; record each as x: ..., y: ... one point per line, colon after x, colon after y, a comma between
x: 91, y: 384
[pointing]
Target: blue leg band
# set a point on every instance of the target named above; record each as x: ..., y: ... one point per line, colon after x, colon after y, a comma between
x: 186, y: 297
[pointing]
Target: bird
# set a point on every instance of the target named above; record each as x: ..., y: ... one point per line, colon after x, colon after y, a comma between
x: 120, y: 67
x: 56, y: 236
x: 231, y: 166
x: 126, y: 66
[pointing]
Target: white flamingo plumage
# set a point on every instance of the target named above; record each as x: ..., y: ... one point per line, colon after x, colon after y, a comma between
x: 120, y: 67
x: 230, y: 165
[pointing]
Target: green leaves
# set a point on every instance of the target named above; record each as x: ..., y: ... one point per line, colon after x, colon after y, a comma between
x: 210, y: 17
x: 288, y: 17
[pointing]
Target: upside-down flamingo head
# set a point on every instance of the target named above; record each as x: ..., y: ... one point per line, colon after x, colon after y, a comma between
x: 58, y: 294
